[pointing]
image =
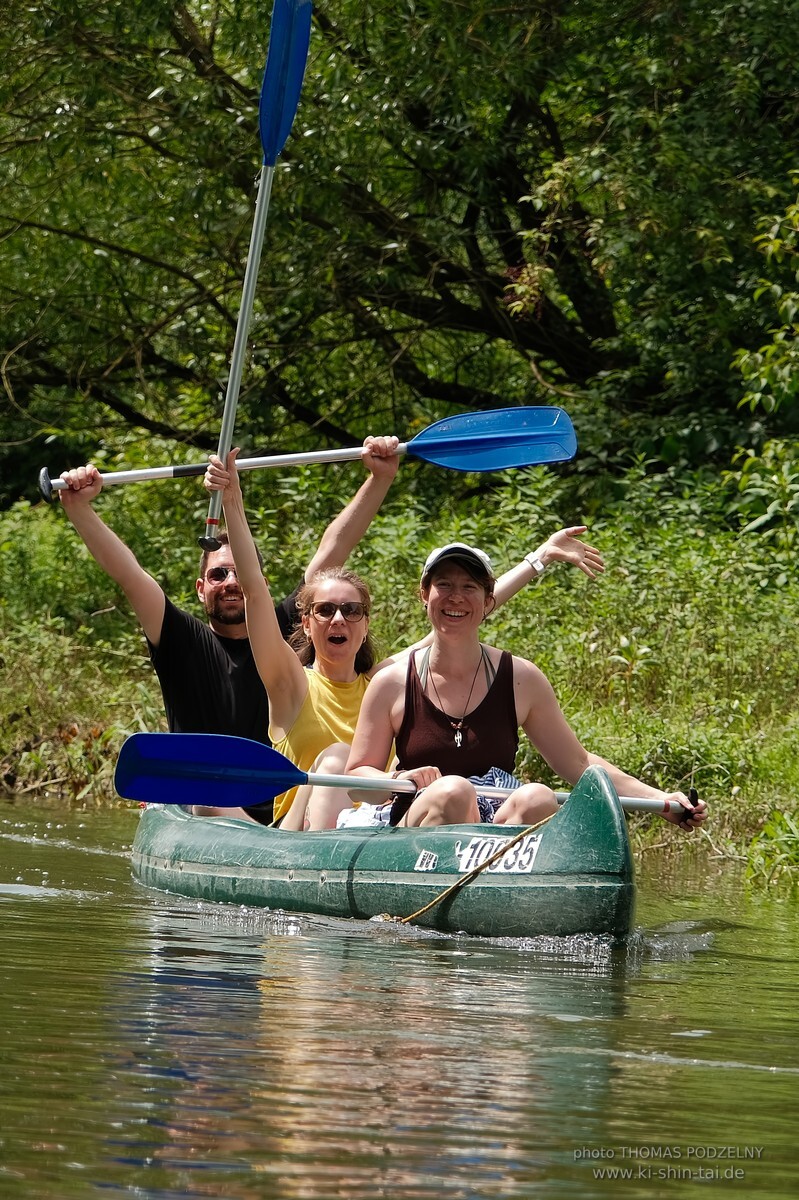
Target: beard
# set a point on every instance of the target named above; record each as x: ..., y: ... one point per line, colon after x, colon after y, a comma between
x: 225, y: 613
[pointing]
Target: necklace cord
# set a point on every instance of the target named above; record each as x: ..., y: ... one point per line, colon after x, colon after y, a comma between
x: 456, y: 724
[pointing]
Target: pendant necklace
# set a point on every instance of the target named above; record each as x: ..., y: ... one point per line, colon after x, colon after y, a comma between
x: 456, y: 725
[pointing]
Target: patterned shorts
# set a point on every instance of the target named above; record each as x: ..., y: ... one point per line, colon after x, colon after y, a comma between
x: 495, y: 777
x: 380, y: 814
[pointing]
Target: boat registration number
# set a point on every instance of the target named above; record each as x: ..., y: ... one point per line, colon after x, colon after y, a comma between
x: 519, y: 859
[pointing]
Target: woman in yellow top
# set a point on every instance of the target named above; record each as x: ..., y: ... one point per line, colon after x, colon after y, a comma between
x: 316, y: 683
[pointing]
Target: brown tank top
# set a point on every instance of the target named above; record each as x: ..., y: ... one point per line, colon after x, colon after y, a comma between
x: 490, y: 732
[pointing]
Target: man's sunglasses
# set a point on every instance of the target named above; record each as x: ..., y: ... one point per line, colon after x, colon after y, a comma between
x: 220, y: 574
x: 325, y: 610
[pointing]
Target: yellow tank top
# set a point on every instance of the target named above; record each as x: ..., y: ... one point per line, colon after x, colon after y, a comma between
x: 329, y: 714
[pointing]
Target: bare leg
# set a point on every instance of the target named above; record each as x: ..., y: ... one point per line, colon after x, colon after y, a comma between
x: 318, y: 807
x: 326, y: 803
x: 527, y: 806
x: 451, y: 800
x: 295, y: 820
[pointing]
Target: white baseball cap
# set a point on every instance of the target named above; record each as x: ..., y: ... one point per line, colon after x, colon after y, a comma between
x: 470, y: 556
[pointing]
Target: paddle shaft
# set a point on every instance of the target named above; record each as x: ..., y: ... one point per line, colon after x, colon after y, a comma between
x: 240, y: 340
x: 349, y: 454
x: 407, y: 787
x: 280, y: 93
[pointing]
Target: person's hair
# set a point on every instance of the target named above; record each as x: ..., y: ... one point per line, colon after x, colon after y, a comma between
x: 478, y: 572
x: 223, y: 540
x: 299, y: 641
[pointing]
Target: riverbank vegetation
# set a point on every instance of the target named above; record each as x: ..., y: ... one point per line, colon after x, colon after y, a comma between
x: 478, y: 206
x: 678, y: 663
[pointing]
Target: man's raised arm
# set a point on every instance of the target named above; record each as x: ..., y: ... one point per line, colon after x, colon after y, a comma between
x: 346, y: 530
x: 145, y: 595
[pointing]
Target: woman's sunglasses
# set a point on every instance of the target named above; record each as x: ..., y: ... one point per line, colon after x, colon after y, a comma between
x: 325, y: 610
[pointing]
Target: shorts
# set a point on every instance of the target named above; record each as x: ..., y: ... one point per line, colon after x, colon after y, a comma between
x: 486, y: 805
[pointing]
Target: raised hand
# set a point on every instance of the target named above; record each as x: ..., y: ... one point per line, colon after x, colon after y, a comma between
x: 566, y: 546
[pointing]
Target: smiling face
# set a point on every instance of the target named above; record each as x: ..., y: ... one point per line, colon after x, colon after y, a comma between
x: 455, y: 599
x: 336, y: 640
x: 221, y: 596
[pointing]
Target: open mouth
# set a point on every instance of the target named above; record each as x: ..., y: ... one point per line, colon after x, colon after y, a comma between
x: 337, y: 639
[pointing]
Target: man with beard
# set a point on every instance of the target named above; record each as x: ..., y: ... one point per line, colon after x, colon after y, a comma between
x: 207, y: 673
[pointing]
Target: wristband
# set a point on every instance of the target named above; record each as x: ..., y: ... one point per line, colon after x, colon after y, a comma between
x: 535, y: 562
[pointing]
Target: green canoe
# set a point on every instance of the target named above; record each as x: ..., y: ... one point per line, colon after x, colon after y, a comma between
x: 574, y: 875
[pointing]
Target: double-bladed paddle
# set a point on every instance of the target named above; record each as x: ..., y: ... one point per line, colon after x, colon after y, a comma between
x: 289, y: 38
x: 493, y: 440
x: 231, y: 772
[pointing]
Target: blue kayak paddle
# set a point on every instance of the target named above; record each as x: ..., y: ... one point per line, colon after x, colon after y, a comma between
x: 230, y: 772
x: 493, y: 440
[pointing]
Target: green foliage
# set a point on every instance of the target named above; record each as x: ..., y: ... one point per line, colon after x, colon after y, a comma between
x: 66, y: 705
x: 768, y: 498
x: 475, y: 207
x: 771, y: 373
x: 774, y: 853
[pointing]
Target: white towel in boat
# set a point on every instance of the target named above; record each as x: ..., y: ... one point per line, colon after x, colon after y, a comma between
x: 364, y: 814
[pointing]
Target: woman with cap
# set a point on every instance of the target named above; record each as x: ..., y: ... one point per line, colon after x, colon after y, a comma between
x: 317, y: 681
x: 454, y: 710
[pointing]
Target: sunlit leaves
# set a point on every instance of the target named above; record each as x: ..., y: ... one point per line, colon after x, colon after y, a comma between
x: 476, y: 206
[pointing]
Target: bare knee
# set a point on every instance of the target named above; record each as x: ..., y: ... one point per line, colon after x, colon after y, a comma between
x: 333, y: 759
x: 529, y: 804
x: 451, y: 800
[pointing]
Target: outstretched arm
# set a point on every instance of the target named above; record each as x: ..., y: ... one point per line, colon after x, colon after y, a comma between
x: 563, y: 546
x: 278, y: 666
x: 346, y: 530
x: 543, y: 721
x: 145, y: 595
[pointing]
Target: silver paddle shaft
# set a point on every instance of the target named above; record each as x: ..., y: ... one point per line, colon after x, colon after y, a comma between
x: 347, y: 454
x: 362, y: 783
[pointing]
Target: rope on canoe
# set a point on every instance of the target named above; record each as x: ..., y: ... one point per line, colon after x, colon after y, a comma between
x: 469, y: 876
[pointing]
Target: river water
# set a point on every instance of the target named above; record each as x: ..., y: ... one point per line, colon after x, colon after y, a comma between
x: 160, y: 1047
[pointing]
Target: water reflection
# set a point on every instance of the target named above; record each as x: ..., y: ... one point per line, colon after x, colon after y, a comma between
x: 162, y: 1047
x: 375, y: 1048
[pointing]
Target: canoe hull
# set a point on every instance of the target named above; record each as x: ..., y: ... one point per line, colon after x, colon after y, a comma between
x: 575, y: 875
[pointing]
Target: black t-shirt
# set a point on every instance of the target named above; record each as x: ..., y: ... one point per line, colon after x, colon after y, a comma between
x: 211, y: 684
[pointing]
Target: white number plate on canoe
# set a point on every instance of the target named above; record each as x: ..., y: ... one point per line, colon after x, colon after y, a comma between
x: 519, y: 859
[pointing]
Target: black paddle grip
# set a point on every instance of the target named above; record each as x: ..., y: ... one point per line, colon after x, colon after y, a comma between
x: 46, y: 485
x: 693, y: 796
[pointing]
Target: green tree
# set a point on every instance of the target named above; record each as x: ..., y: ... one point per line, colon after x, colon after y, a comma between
x: 478, y: 206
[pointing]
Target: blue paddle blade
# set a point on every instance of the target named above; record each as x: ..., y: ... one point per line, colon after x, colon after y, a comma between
x: 289, y: 38
x: 202, y: 768
x: 497, y: 440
